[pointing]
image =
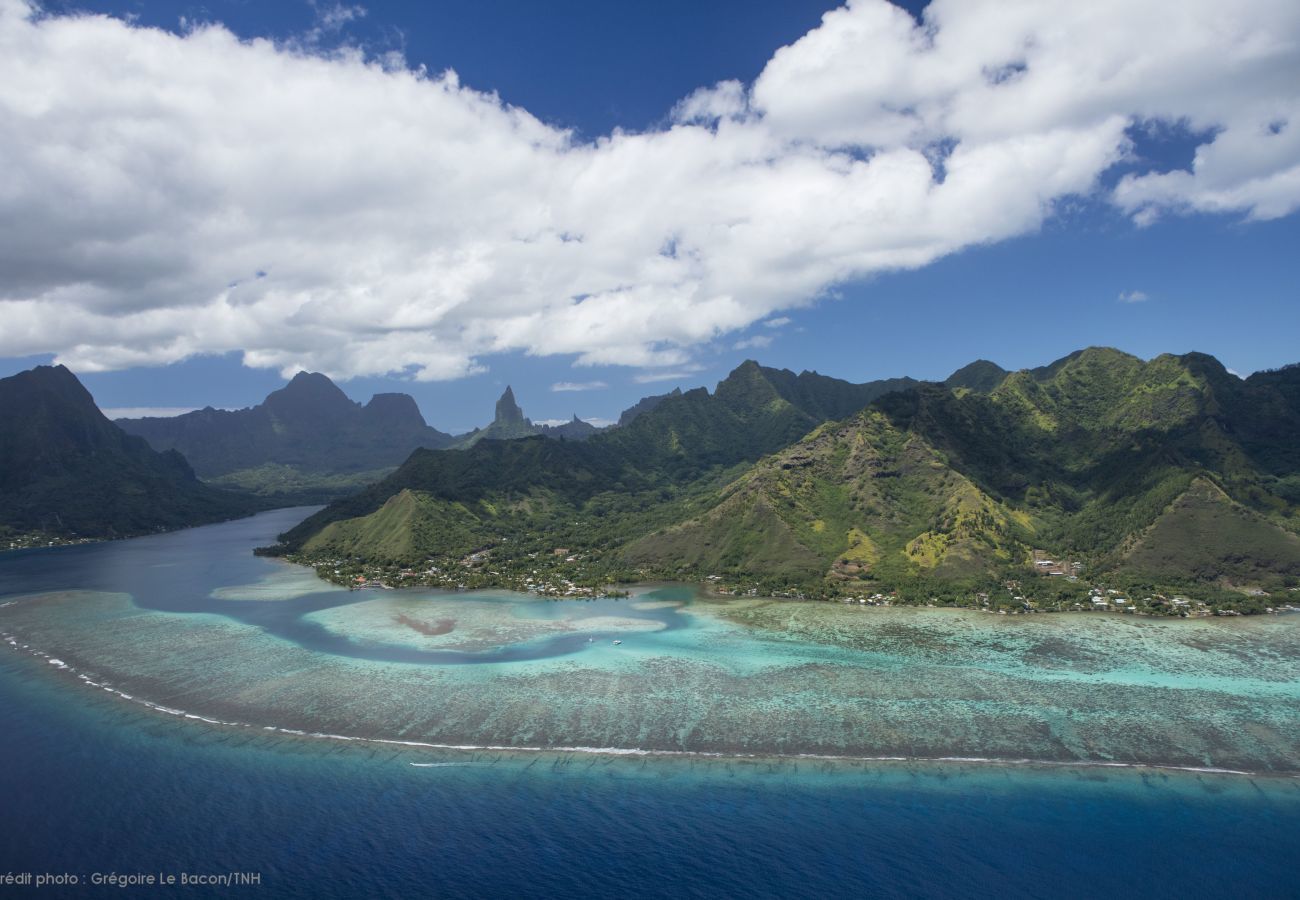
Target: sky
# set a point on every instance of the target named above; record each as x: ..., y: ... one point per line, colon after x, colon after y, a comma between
x: 593, y: 202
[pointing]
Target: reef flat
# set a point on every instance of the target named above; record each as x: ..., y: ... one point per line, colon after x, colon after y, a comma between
x: 735, y: 678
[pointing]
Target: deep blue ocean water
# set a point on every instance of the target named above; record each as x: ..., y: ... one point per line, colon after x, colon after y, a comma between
x: 90, y: 783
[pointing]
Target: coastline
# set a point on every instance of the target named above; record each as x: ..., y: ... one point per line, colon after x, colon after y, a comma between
x: 193, y: 624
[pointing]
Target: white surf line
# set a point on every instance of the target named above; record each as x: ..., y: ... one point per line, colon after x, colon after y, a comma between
x: 1022, y: 762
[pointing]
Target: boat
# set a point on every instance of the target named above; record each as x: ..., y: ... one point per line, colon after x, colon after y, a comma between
x: 618, y: 642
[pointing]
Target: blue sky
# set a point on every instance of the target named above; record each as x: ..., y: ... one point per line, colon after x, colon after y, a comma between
x: 1149, y: 266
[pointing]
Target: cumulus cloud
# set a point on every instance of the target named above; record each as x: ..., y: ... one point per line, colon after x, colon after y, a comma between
x: 169, y: 195
x: 725, y: 100
x: 1133, y: 297
x: 778, y: 322
x: 757, y: 341
x: 561, y: 386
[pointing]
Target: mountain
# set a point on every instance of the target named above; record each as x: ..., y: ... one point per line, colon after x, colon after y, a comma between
x: 1170, y: 469
x: 1161, y: 473
x: 509, y: 423
x: 754, y: 411
x: 857, y: 498
x: 67, y: 470
x: 305, y: 441
x: 644, y: 405
x: 981, y: 376
x: 573, y: 430
x: 627, y: 477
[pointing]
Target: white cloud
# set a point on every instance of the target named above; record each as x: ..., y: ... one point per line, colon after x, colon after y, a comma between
x: 1133, y: 297
x: 725, y: 100
x: 778, y: 322
x: 578, y: 385
x: 330, y: 19
x: 407, y: 223
x: 652, y: 377
x: 757, y: 341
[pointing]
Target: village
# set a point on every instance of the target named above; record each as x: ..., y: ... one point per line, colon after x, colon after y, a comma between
x: 560, y: 574
x: 31, y: 539
x: 1050, y: 586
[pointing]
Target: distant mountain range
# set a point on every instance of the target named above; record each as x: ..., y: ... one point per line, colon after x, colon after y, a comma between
x: 307, y: 439
x: 67, y: 471
x: 308, y: 442
x: 1170, y: 470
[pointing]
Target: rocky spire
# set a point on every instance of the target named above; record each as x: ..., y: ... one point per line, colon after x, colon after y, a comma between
x: 508, y: 411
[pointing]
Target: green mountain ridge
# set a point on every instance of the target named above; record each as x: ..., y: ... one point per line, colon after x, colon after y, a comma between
x: 675, y: 450
x: 820, y: 486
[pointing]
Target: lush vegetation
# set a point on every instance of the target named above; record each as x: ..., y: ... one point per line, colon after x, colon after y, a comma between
x: 1144, y: 477
x: 282, y: 485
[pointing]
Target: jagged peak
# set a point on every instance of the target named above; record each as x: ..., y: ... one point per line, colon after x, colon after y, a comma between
x: 507, y: 409
x: 745, y: 378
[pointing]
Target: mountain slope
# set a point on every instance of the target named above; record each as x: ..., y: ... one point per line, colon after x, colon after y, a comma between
x: 66, y: 469
x: 644, y: 405
x: 1122, y: 465
x: 855, y: 501
x: 685, y: 442
x: 1205, y: 534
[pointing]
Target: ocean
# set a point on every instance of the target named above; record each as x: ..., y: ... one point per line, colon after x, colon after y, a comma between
x: 95, y: 784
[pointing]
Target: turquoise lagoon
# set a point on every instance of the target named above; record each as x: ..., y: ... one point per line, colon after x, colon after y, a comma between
x: 769, y: 748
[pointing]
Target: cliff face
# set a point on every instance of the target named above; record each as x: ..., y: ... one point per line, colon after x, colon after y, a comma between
x: 66, y: 469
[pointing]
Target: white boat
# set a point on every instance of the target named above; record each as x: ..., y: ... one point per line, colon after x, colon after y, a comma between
x: 618, y: 642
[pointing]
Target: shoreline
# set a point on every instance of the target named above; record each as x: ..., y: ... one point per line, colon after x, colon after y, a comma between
x: 450, y: 580
x: 181, y: 716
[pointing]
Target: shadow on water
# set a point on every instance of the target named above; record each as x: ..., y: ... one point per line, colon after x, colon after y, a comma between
x: 178, y: 573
